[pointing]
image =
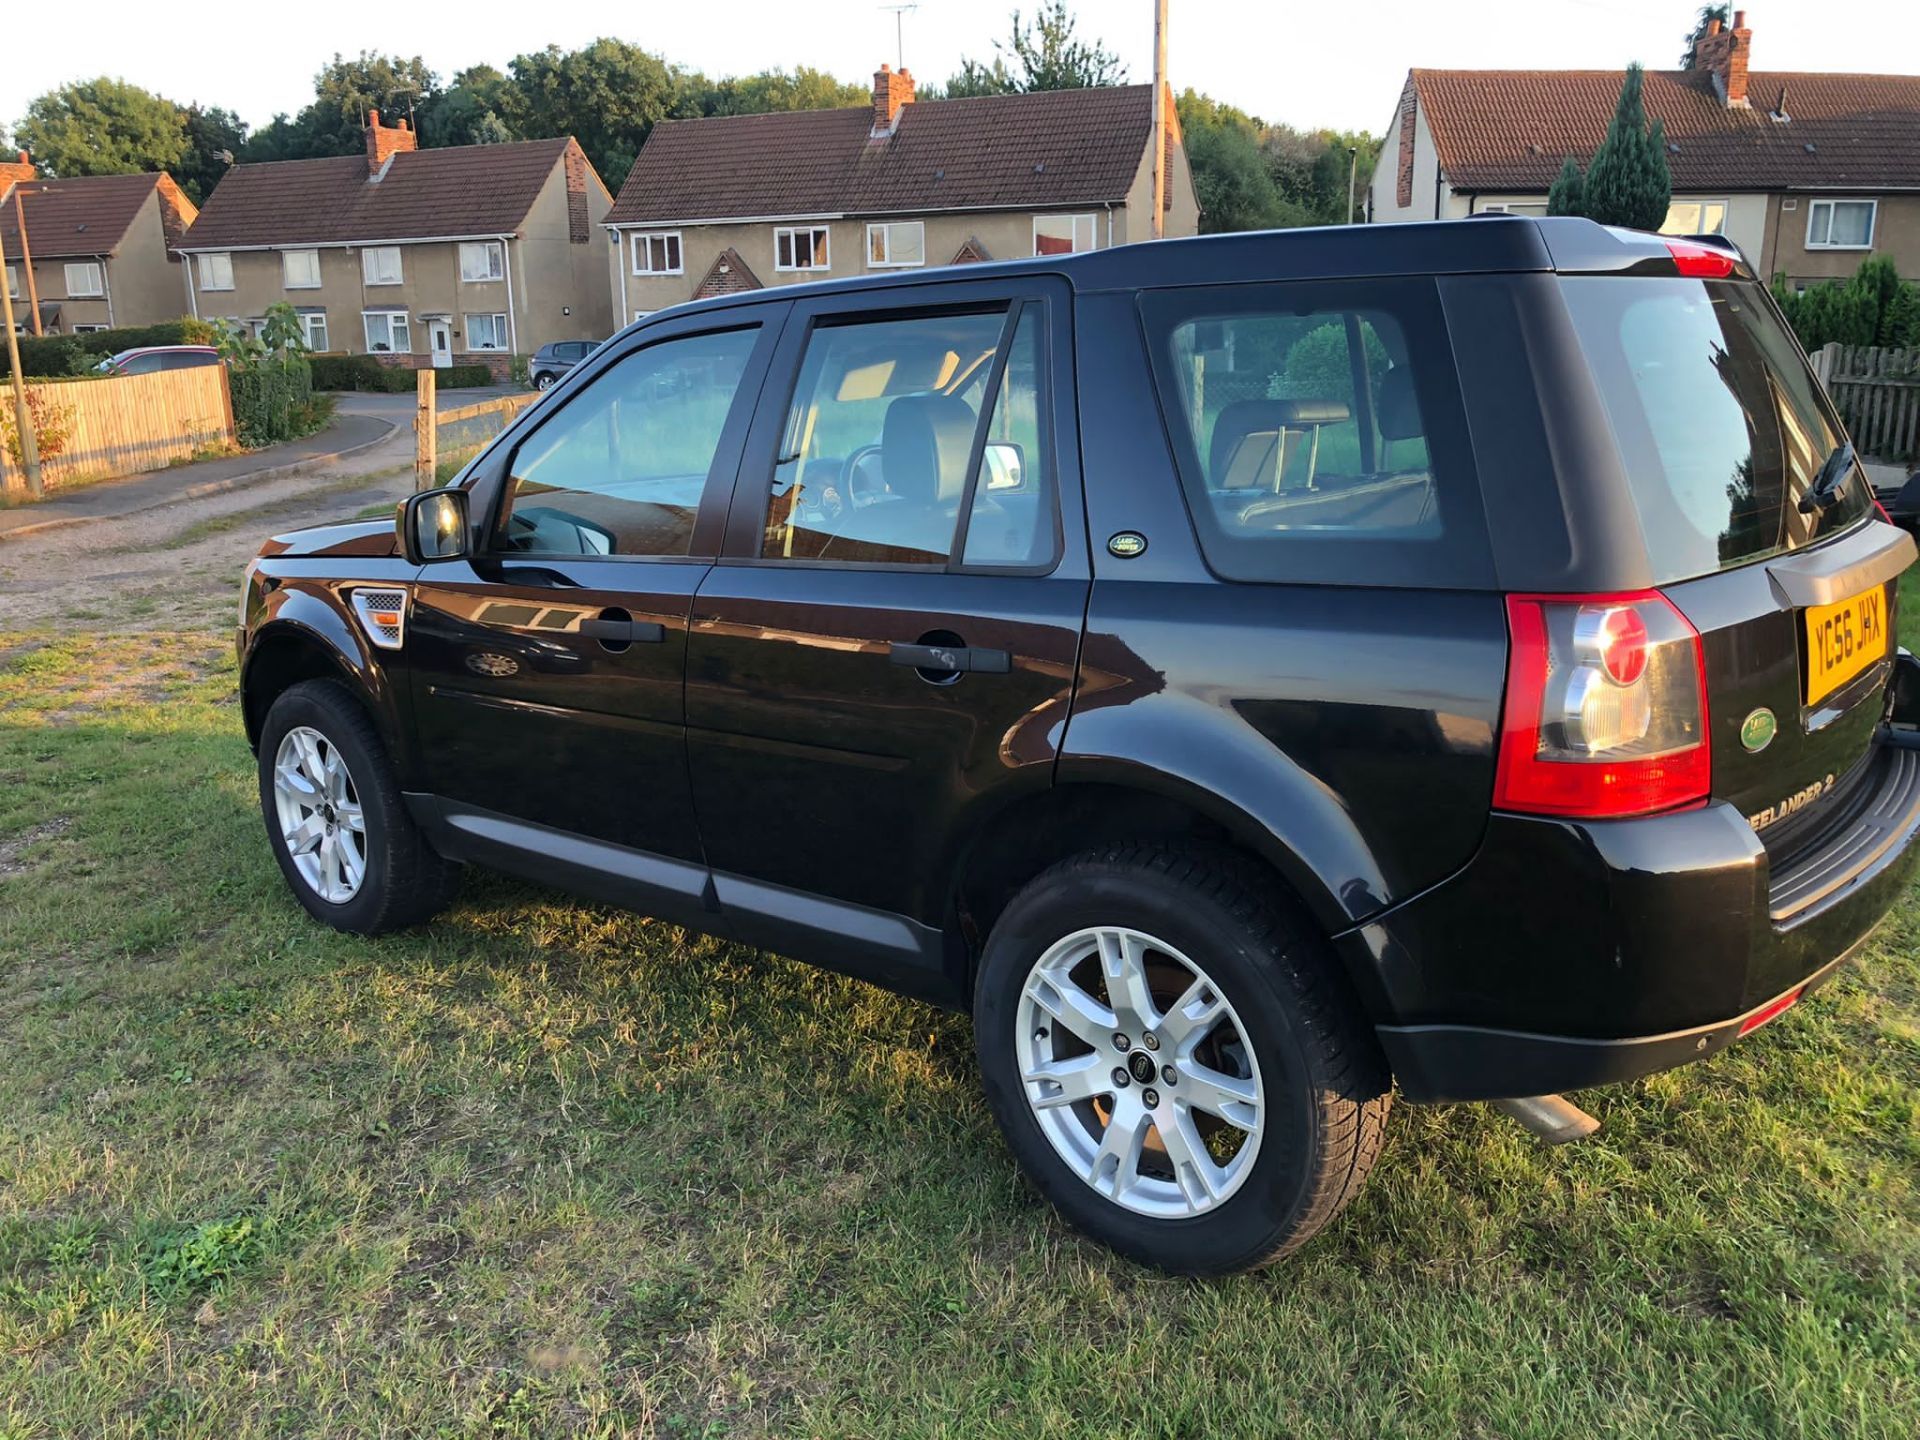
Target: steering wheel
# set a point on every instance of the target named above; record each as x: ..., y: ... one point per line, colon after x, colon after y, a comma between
x: 851, y: 477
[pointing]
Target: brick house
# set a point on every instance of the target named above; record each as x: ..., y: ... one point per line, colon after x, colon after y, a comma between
x: 736, y: 202
x: 105, y: 249
x: 467, y: 254
x: 1809, y: 173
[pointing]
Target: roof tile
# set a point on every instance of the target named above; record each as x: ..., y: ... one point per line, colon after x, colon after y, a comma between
x: 87, y: 215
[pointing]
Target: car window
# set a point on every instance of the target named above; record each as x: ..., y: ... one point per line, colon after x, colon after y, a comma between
x: 140, y: 365
x: 1011, y: 519
x: 622, y: 468
x: 877, y: 451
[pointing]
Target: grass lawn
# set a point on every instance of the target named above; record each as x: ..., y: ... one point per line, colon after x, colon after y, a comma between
x: 545, y: 1169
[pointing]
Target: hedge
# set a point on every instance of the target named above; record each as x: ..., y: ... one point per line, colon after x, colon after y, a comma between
x: 56, y: 355
x: 272, y: 400
x: 363, y: 372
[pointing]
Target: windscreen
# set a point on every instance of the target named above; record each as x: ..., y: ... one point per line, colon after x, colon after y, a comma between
x: 1720, y: 429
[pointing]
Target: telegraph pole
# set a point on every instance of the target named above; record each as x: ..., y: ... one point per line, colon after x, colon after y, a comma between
x: 1159, y: 119
x: 22, y: 416
x: 26, y: 254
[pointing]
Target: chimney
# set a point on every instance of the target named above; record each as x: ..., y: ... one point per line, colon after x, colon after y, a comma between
x: 384, y: 142
x: 12, y: 174
x: 1723, y: 53
x: 891, y: 94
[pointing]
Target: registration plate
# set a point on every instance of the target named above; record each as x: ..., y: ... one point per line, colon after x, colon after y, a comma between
x: 1844, y: 639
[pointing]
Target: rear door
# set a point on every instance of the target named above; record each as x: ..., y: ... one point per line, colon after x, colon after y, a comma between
x: 888, y: 640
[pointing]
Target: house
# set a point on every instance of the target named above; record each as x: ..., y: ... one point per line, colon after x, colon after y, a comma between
x: 105, y: 249
x: 733, y: 203
x: 1809, y: 173
x: 472, y: 253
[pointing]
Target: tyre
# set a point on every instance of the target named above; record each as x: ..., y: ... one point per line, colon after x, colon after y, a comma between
x: 1175, y: 1059
x: 343, y: 837
x: 543, y: 381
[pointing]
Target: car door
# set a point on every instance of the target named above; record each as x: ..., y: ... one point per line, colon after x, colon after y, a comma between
x: 547, y: 671
x: 886, y: 646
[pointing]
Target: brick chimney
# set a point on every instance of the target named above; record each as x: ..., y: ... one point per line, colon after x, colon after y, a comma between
x: 12, y: 174
x: 385, y: 141
x: 1724, y: 53
x: 891, y: 94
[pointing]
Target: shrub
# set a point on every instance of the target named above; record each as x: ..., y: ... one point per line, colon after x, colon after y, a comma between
x: 54, y: 355
x: 363, y: 372
x: 1874, y: 307
x: 272, y: 400
x: 463, y: 377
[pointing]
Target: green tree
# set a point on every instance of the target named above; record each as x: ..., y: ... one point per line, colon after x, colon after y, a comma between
x: 1567, y: 195
x: 343, y: 92
x: 472, y: 110
x: 608, y: 95
x: 1699, y: 32
x: 215, y: 139
x: 1628, y: 182
x: 780, y: 90
x: 1044, y: 54
x: 102, y: 127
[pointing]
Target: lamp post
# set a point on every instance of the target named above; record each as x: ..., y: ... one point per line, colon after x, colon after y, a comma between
x: 1160, y: 176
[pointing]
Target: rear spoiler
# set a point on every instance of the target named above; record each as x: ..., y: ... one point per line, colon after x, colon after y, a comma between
x: 1579, y: 247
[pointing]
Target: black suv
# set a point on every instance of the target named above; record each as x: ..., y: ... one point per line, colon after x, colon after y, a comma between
x: 1248, y: 673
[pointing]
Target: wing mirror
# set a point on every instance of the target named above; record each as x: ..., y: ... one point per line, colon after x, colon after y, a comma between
x: 433, y: 526
x: 1005, y: 465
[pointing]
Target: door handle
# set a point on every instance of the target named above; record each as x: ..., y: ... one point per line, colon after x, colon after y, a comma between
x: 950, y: 659
x: 627, y: 632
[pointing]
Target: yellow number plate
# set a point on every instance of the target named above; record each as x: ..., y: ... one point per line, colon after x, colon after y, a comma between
x: 1843, y: 640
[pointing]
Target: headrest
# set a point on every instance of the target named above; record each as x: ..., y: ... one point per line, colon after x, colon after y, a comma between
x: 924, y: 447
x: 1244, y: 418
x: 1399, y: 417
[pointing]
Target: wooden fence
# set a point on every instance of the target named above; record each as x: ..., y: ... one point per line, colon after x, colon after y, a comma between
x: 118, y: 425
x: 446, y: 439
x: 1877, y: 392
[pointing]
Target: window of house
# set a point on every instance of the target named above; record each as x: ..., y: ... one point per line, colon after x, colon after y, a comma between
x: 622, y: 468
x: 657, y: 253
x: 313, y: 323
x: 1064, y: 234
x: 13, y: 281
x: 215, y: 272
x: 380, y: 265
x: 300, y: 269
x: 1514, y: 207
x: 899, y: 242
x: 482, y: 260
x: 801, y: 247
x: 388, y: 330
x: 1841, y: 224
x: 1695, y: 217
x: 878, y: 461
x: 84, y: 278
x: 87, y: 329
x: 486, y: 332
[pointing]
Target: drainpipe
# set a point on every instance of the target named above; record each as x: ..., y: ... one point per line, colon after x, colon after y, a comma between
x: 513, y: 320
x: 193, y: 298
x: 620, y: 268
x: 106, y: 284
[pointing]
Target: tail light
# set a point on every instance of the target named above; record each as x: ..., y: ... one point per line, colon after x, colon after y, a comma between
x: 1701, y: 262
x: 1606, y: 709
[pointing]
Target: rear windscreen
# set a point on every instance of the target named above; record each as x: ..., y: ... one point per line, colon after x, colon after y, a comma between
x: 1720, y: 430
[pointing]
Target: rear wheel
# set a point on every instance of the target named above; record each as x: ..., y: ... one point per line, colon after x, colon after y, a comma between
x: 1173, y: 1059
x: 543, y: 381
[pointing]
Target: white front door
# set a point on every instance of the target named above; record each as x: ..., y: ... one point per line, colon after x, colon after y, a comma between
x: 440, y: 342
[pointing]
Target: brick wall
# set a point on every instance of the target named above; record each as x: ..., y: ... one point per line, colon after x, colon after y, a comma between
x: 579, y: 231
x: 1403, y: 182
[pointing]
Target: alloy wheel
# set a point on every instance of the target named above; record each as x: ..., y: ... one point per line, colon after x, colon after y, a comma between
x: 318, y: 808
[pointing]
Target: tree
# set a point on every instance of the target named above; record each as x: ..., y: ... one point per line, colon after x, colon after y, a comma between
x: 471, y: 111
x: 1708, y: 13
x: 1043, y: 55
x: 608, y: 95
x: 343, y: 92
x: 102, y: 127
x: 1628, y: 182
x: 1567, y: 195
x: 779, y: 90
x: 215, y: 139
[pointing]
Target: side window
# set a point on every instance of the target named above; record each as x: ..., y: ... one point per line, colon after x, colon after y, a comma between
x: 1011, y: 519
x: 877, y: 452
x: 621, y: 470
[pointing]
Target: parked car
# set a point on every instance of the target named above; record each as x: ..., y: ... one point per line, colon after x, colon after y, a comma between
x: 555, y: 359
x: 1249, y: 673
x: 147, y: 359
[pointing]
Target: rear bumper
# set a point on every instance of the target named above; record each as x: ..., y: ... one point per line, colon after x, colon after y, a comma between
x: 1574, y: 954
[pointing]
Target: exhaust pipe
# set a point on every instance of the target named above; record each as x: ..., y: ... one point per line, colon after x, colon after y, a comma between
x: 1552, y: 1118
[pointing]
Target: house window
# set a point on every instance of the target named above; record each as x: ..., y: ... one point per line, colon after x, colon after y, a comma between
x: 85, y: 279
x: 1063, y: 234
x: 13, y: 281
x: 801, y: 247
x: 388, y: 330
x: 216, y: 272
x: 380, y: 265
x: 300, y: 269
x: 87, y: 329
x: 1841, y: 224
x: 486, y: 332
x: 1695, y: 217
x: 657, y: 254
x: 314, y: 324
x: 900, y: 242
x: 1514, y: 207
x: 482, y: 260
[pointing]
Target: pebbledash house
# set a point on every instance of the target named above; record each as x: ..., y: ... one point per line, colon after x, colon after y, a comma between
x: 463, y: 254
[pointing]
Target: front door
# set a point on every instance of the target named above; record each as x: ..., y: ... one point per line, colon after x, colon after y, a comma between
x: 547, y: 672
x: 440, y: 342
x: 888, y: 640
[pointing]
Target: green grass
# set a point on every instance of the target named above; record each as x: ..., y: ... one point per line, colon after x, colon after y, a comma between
x: 547, y: 1169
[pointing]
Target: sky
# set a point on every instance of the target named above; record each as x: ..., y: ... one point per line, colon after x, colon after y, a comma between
x: 1308, y: 65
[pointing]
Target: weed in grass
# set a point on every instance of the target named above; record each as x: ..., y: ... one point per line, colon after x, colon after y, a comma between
x: 200, y: 1257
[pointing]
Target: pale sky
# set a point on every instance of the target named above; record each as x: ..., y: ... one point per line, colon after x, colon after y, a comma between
x: 1333, y: 64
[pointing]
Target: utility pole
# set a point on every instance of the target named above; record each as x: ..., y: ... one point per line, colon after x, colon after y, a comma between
x: 1353, y: 169
x: 26, y: 255
x: 22, y: 416
x: 1160, y: 119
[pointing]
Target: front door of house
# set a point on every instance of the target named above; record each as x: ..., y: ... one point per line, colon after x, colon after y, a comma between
x: 440, y: 342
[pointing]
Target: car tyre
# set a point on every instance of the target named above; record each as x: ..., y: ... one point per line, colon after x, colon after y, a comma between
x: 335, y: 818
x: 543, y: 381
x: 1210, y: 927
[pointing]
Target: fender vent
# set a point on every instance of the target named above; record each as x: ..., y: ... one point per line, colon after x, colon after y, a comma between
x: 383, y: 615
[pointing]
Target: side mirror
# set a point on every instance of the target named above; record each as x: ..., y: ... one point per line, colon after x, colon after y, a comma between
x: 433, y: 526
x: 1005, y: 464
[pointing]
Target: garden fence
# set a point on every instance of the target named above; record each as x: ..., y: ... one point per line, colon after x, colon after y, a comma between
x: 1877, y: 392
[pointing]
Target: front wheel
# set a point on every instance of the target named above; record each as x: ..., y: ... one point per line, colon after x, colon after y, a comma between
x: 1174, y: 1060
x: 543, y: 382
